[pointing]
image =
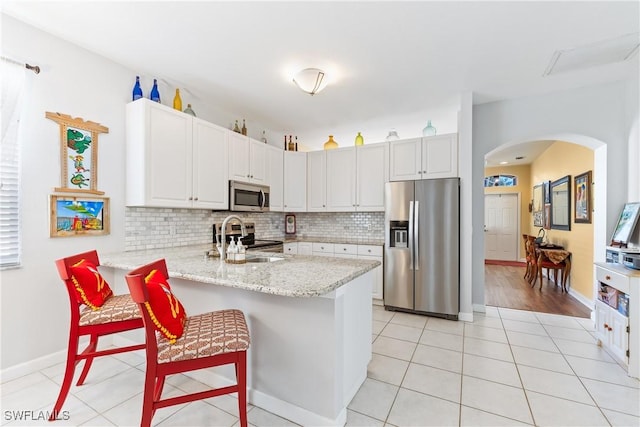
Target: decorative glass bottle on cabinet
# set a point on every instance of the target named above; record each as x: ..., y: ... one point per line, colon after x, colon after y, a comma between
x: 137, y: 90
x: 177, y: 101
x: 330, y: 144
x: 188, y: 110
x: 429, y: 130
x: 359, y: 139
x: 155, y: 95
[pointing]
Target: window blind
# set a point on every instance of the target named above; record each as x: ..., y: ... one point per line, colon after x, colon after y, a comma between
x: 12, y: 85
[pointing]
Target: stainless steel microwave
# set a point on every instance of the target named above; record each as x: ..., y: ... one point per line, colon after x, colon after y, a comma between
x: 245, y: 197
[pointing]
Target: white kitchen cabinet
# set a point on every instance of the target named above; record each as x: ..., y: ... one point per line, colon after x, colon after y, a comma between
x: 295, y: 181
x: 173, y: 159
x: 341, y: 180
x: 323, y: 249
x: 290, y: 248
x: 305, y: 248
x: 347, y: 179
x: 372, y: 172
x: 614, y: 330
x: 424, y: 158
x: 316, y: 181
x: 247, y: 159
x: 275, y: 177
x: 373, y: 252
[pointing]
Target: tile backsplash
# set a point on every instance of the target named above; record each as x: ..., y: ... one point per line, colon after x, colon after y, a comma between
x: 155, y: 228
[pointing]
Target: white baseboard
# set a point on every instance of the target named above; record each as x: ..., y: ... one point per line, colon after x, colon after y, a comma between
x: 479, y: 308
x: 31, y: 366
x: 581, y: 298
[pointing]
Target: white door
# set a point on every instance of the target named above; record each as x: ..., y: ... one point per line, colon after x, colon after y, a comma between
x: 501, y: 227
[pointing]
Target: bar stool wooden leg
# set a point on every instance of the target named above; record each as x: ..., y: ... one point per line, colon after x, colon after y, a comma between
x: 241, y: 374
x: 91, y: 348
x: 69, y: 370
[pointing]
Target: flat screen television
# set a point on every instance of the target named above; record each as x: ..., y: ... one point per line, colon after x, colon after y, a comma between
x: 626, y: 224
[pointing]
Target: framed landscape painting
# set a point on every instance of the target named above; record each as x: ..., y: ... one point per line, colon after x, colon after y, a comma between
x: 79, y: 216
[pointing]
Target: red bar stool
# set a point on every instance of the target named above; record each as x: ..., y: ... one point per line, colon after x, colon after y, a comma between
x: 177, y: 343
x: 95, y: 312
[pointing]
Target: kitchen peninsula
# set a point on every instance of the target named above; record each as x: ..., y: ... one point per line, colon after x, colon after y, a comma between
x: 309, y: 319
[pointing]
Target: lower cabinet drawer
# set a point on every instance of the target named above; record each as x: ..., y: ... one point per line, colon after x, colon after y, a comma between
x: 611, y: 278
x: 345, y: 249
x: 326, y: 248
x: 370, y: 250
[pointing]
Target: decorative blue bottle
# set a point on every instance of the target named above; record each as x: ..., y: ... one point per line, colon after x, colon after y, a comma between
x: 137, y: 90
x: 155, y: 95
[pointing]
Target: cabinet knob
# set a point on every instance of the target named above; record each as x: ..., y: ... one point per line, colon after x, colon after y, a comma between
x: 605, y: 326
x: 607, y: 277
x: 609, y: 328
x: 420, y: 172
x: 424, y: 171
x: 251, y: 176
x: 369, y: 250
x: 190, y: 198
x: 344, y: 249
x: 195, y: 199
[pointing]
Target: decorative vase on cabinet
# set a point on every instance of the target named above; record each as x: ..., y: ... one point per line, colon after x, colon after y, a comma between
x: 330, y: 144
x: 359, y: 139
x: 429, y: 130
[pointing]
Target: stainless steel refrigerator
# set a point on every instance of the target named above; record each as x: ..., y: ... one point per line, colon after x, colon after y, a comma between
x: 422, y: 240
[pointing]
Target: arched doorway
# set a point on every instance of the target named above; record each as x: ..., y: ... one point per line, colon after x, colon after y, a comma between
x: 581, y: 296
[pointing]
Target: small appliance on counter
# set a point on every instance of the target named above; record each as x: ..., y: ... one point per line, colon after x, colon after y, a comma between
x: 234, y: 229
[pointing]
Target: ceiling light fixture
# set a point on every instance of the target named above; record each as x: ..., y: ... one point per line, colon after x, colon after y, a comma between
x: 310, y: 80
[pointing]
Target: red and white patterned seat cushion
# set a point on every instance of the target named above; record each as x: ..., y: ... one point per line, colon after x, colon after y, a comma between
x: 114, y: 309
x: 207, y: 334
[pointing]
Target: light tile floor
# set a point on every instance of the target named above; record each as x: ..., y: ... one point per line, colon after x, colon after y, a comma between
x: 507, y: 368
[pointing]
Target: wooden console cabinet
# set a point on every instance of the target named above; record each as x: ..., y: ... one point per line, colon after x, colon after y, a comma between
x: 615, y: 330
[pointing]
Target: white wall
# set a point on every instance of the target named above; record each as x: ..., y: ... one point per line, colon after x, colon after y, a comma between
x: 34, y: 307
x: 599, y: 113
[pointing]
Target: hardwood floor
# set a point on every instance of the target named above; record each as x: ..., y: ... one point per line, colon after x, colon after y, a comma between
x: 504, y: 286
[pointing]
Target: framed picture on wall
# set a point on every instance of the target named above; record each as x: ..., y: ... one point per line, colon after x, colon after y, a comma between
x: 538, y: 205
x: 79, y: 216
x: 582, y: 195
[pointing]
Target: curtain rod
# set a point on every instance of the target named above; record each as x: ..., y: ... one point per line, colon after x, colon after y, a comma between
x: 33, y: 68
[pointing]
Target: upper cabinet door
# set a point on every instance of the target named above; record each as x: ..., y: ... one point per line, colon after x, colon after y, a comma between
x: 372, y: 173
x: 295, y: 181
x: 405, y: 159
x: 239, y: 154
x: 341, y: 180
x: 316, y: 181
x: 440, y: 156
x: 275, y: 177
x: 210, y: 189
x: 158, y: 156
x: 257, y: 161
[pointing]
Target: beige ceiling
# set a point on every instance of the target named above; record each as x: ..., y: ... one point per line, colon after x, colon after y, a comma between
x: 394, y: 64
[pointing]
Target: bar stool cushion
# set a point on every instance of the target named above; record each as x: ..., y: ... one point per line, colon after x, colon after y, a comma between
x: 207, y: 334
x: 165, y: 310
x: 91, y: 288
x: 115, y: 309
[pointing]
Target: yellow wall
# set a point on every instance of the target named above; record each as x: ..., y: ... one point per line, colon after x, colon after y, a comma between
x: 559, y: 160
x: 524, y: 188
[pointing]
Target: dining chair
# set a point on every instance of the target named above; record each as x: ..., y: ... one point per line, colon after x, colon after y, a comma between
x: 176, y: 343
x: 95, y: 312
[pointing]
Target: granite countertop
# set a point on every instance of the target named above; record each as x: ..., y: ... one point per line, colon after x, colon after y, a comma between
x: 345, y: 241
x: 295, y: 276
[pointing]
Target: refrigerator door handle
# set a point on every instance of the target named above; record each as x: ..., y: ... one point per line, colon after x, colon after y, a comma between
x: 416, y: 234
x: 410, y: 242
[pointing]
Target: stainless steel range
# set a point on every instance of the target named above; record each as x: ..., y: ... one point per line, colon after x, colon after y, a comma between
x: 234, y: 230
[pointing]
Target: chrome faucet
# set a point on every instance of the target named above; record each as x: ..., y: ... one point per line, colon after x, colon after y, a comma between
x: 223, y: 232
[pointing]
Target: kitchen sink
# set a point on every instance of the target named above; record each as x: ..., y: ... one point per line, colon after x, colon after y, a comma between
x: 264, y: 259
